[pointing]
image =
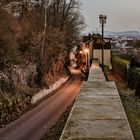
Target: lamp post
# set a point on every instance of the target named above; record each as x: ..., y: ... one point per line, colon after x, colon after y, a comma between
x: 102, y: 19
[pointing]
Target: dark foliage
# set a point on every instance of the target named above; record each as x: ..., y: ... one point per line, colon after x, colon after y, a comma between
x: 119, y: 66
x: 133, y: 77
x: 137, y: 92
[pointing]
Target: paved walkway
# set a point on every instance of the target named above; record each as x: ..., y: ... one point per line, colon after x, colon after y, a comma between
x: 98, y: 113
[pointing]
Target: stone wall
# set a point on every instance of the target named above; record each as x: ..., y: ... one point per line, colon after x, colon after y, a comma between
x: 18, y: 91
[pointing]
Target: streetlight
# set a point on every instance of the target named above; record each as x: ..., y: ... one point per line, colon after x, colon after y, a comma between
x: 102, y: 19
x: 80, y: 52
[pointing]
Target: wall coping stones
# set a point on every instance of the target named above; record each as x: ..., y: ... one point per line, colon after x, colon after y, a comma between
x: 98, y: 112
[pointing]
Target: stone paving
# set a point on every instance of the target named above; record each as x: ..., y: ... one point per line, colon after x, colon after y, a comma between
x: 98, y: 113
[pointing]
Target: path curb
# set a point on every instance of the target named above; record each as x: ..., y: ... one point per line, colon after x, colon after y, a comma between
x: 45, y: 92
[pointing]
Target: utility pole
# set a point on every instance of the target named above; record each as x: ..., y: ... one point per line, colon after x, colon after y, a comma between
x: 102, y: 19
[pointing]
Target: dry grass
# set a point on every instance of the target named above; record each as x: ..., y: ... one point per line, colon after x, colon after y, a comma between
x: 56, y: 131
x: 130, y: 102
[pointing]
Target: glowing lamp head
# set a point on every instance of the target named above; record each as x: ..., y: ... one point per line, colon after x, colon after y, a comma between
x: 86, y: 50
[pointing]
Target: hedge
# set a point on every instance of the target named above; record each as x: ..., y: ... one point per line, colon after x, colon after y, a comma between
x: 119, y: 67
x: 132, y: 77
x: 137, y: 92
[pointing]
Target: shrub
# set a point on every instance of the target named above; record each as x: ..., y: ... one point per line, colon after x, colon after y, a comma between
x: 137, y: 92
x: 127, y: 56
x: 120, y: 67
x: 132, y: 77
x: 134, y: 61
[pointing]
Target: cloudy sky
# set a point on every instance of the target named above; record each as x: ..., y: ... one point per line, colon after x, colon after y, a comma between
x: 123, y: 15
